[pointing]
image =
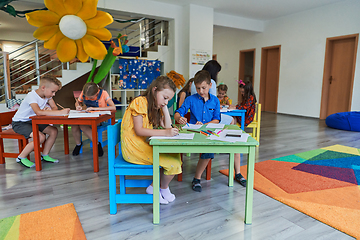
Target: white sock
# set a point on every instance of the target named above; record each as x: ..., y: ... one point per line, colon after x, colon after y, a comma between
x: 150, y: 190
x: 167, y: 194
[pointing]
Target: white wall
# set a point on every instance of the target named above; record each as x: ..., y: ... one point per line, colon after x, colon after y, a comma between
x: 302, y: 37
x: 200, y: 33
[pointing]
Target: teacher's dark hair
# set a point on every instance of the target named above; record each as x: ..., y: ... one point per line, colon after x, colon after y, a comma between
x: 213, y: 67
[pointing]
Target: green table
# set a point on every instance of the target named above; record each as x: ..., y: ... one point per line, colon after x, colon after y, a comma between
x: 200, y: 143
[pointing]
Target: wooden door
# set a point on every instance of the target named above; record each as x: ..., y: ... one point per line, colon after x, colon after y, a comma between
x: 338, y: 78
x: 246, y: 67
x: 269, y: 78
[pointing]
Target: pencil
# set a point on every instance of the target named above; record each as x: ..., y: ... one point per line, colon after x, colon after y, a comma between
x: 190, y: 130
x: 60, y: 106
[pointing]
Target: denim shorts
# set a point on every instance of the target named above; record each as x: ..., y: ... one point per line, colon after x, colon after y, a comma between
x: 25, y: 128
x: 207, y: 155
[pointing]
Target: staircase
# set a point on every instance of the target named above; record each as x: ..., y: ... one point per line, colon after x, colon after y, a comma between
x: 21, y: 69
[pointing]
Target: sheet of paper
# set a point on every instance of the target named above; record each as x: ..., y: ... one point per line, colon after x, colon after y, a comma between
x: 183, y: 136
x: 215, y: 125
x: 81, y: 114
x: 222, y: 136
x: 191, y: 126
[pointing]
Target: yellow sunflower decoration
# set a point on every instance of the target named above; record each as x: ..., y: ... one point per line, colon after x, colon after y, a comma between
x: 177, y: 78
x: 74, y: 28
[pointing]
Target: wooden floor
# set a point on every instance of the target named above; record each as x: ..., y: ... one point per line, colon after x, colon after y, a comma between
x: 215, y: 213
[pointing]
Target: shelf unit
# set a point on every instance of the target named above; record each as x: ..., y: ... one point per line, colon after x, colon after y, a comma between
x: 124, y: 96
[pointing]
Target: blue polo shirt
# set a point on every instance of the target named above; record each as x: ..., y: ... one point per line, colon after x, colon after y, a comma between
x: 200, y: 110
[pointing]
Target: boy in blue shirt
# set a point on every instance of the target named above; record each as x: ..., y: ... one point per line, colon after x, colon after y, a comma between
x: 204, y: 108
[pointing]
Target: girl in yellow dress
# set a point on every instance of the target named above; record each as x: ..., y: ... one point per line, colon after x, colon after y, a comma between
x: 142, y: 118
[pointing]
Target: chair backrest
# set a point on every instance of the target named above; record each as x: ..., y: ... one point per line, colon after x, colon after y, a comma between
x: 6, y: 118
x: 257, y: 115
x: 258, y: 112
x: 113, y: 132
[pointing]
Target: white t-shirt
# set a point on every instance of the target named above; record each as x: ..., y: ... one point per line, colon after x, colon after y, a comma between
x: 25, y: 111
x: 211, y: 91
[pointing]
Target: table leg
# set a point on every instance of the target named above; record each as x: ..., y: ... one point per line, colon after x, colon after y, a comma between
x: 95, y: 146
x: 66, y: 138
x: 243, y: 121
x: 231, y: 171
x: 156, y: 186
x: 250, y: 185
x: 36, y: 140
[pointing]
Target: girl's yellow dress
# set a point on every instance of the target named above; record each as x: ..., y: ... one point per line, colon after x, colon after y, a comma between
x: 135, y: 149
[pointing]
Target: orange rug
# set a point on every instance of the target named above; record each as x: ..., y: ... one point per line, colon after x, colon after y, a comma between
x: 60, y: 222
x: 322, y: 183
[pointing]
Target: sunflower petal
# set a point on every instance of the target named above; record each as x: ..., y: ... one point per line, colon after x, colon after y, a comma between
x: 66, y: 49
x: 56, y: 6
x: 54, y: 40
x: 102, y: 34
x: 46, y: 32
x: 88, y: 10
x: 73, y: 6
x: 42, y: 18
x: 100, y: 20
x: 93, y: 47
x: 81, y: 54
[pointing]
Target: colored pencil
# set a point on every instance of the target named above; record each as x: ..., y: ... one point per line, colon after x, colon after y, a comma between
x: 190, y: 130
x: 60, y: 106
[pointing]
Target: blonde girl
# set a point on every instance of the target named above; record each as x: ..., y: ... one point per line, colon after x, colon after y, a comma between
x: 143, y: 118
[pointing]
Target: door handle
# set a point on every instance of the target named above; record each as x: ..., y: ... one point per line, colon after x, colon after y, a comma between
x: 330, y: 79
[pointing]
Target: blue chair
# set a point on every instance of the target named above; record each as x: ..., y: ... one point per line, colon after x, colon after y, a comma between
x: 100, y: 129
x: 119, y: 167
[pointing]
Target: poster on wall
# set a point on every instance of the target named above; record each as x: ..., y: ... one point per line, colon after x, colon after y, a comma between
x: 200, y: 57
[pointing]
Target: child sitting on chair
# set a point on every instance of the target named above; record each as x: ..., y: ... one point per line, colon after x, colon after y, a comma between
x: 38, y: 102
x: 142, y: 118
x: 248, y: 102
x: 94, y: 99
x: 204, y: 108
x: 221, y: 94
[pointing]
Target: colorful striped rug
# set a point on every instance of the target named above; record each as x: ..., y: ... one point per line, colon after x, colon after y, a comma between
x: 322, y: 183
x: 60, y: 222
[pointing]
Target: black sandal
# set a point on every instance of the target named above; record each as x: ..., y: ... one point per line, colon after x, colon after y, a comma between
x: 240, y: 179
x: 196, y: 186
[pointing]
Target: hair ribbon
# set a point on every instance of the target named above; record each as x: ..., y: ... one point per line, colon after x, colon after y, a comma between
x: 241, y: 82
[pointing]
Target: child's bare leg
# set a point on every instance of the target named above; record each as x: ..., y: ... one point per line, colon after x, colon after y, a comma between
x: 52, y: 132
x: 202, y: 163
x: 237, y: 163
x: 87, y: 131
x: 30, y: 146
x: 75, y: 129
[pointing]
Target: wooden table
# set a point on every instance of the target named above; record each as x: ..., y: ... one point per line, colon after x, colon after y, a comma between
x: 238, y: 113
x: 206, y: 146
x: 92, y: 121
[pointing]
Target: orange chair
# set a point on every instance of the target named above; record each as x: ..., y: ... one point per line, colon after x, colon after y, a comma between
x: 6, y: 119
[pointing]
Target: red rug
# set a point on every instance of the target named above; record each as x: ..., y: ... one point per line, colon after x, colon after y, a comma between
x: 323, y: 183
